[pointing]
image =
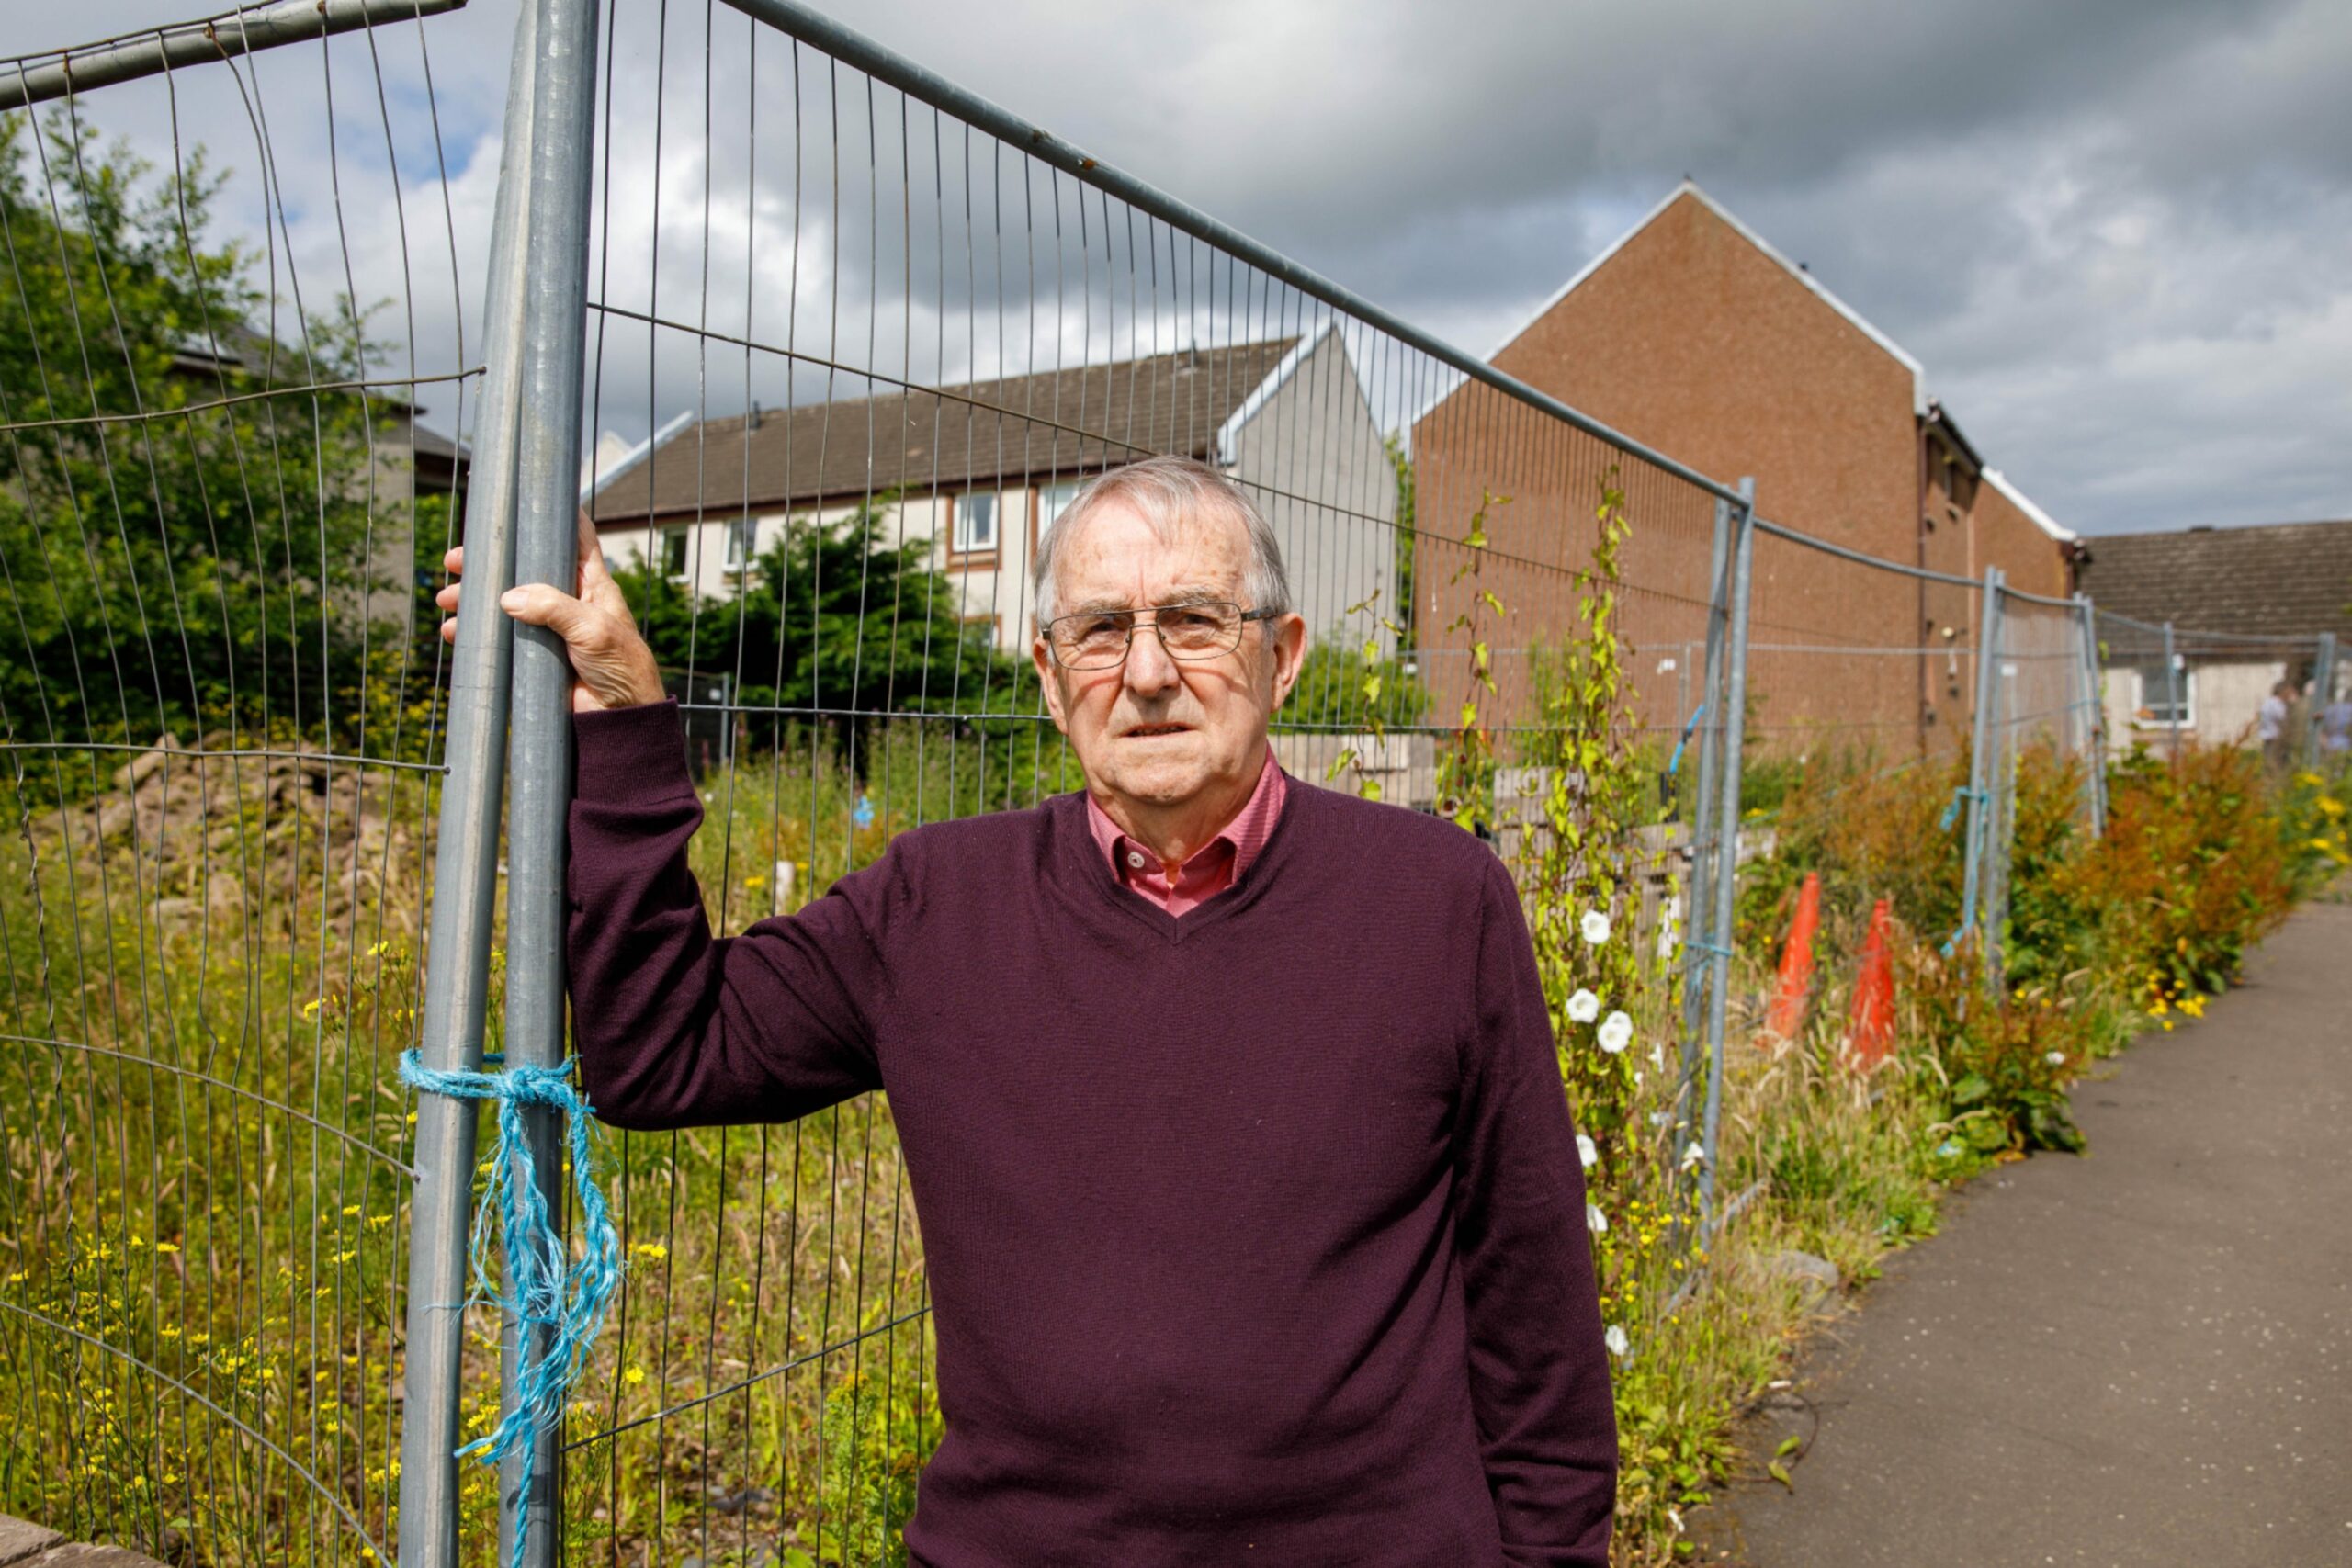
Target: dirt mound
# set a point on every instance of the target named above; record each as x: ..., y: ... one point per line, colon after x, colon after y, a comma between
x: 282, y: 837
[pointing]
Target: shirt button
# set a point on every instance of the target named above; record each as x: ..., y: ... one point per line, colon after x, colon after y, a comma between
x: 1134, y: 859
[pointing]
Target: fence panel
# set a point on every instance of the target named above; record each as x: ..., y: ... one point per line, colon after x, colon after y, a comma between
x: 223, y: 733
x: 890, y: 342
x: 880, y: 334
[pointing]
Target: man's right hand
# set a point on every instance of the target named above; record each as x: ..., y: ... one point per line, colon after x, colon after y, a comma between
x: 611, y: 665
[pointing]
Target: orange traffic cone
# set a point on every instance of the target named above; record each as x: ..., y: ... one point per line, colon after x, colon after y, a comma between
x: 1870, y: 1030
x: 1786, y: 1015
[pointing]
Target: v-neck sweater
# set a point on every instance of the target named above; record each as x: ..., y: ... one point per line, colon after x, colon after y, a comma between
x: 1255, y: 1235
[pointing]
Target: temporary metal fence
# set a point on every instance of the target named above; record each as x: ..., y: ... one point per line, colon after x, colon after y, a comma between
x: 883, y: 329
x: 225, y: 760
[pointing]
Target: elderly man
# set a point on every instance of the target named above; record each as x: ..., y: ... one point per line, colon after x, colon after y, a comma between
x: 1248, y: 1193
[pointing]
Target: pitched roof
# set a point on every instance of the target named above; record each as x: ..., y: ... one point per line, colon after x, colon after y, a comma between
x: 2277, y: 580
x: 1067, y: 422
x: 1690, y: 188
x: 2024, y: 504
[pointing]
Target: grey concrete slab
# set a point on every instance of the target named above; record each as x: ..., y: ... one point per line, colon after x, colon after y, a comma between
x: 19, y: 1538
x: 81, y: 1555
x: 2143, y: 1356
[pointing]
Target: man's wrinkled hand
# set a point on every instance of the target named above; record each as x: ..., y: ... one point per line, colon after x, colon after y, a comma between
x: 612, y: 667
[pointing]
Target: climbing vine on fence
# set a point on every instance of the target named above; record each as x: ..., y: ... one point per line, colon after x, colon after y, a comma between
x: 1466, y: 762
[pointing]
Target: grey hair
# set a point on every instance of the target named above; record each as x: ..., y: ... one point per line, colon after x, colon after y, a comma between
x: 1169, y: 492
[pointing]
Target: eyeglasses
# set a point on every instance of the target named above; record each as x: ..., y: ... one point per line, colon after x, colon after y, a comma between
x: 1099, y: 640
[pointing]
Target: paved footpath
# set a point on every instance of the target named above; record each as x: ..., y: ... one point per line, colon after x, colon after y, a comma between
x: 2141, y: 1357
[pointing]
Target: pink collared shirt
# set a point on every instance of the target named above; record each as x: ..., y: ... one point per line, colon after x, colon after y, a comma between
x: 1214, y: 867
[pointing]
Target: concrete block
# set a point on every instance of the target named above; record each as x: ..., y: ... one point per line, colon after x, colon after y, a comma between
x: 20, y: 1539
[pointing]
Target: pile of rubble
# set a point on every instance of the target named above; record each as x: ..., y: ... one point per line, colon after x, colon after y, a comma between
x: 284, y: 837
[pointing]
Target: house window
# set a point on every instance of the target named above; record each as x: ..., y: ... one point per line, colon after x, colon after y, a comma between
x: 674, y: 552
x: 1053, y: 499
x: 2157, y: 704
x: 742, y: 542
x: 975, y: 529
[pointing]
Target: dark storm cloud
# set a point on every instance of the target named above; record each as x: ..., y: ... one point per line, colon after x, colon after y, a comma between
x: 2114, y: 230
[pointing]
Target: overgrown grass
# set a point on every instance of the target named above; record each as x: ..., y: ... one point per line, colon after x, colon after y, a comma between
x: 203, y: 1194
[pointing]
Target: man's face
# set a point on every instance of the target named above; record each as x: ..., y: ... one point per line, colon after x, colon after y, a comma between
x: 1156, y: 731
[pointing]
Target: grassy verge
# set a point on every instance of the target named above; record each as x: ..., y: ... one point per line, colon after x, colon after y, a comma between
x: 2107, y: 938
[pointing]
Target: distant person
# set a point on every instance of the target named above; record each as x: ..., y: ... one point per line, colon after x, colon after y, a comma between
x: 2271, y: 727
x: 2335, y: 729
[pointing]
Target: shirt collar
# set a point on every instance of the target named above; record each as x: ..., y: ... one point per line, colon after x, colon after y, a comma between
x: 1245, y: 835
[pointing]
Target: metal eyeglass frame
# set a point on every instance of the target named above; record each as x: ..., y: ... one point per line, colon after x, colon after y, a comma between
x: 1246, y: 616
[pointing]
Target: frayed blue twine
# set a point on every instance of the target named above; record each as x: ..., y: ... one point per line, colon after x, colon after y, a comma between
x: 1675, y: 761
x: 1952, y: 809
x: 550, y: 1292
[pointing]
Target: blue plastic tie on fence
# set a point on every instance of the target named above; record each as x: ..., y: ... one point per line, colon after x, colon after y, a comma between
x: 550, y: 1292
x: 1676, y: 761
x: 1943, y: 824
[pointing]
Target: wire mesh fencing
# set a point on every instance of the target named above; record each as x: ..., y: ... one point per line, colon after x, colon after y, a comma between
x: 263, y: 836
x: 222, y: 715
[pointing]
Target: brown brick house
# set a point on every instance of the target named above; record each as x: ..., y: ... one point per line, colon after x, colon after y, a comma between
x: 1692, y: 334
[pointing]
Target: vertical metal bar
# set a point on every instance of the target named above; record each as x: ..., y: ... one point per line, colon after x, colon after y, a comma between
x: 1979, y: 757
x: 1743, y: 553
x: 457, y: 980
x: 2002, y: 819
x: 2322, y: 693
x: 554, y: 308
x: 1697, y: 941
x: 2095, y: 717
x: 2172, y: 695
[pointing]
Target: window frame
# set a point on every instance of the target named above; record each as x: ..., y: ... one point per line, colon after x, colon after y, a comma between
x: 683, y: 534
x: 743, y: 536
x: 2187, y: 717
x: 975, y: 556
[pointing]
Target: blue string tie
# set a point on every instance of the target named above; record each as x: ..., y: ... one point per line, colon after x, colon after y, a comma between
x: 558, y: 1303
x: 1952, y: 809
x: 1675, y: 761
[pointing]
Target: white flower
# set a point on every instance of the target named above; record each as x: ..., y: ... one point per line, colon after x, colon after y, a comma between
x: 1616, y: 1341
x: 1594, y: 1220
x: 1595, y: 926
x: 1584, y: 1007
x: 1616, y: 1032
x: 1666, y: 941
x: 1693, y: 1154
x: 1586, y: 1153
x: 1657, y: 1056
x: 2055, y: 1057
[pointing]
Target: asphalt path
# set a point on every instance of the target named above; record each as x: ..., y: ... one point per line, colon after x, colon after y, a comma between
x: 2140, y: 1357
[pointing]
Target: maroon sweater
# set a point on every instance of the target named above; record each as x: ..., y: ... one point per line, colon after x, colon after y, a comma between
x: 1255, y: 1235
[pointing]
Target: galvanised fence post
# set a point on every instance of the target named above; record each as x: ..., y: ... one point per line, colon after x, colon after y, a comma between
x: 1979, y: 757
x: 2001, y: 819
x: 1697, y: 941
x: 2095, y: 717
x: 2322, y: 693
x: 2172, y: 697
x: 554, y: 319
x: 457, y: 980
x: 1726, y: 877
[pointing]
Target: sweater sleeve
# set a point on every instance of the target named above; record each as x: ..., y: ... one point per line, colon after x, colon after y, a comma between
x: 1539, y: 1374
x: 677, y: 1029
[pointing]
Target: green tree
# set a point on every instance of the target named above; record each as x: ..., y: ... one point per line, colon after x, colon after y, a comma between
x: 834, y: 624
x: 178, y: 521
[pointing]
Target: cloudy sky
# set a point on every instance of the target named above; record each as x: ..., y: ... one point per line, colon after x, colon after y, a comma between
x: 2116, y: 231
